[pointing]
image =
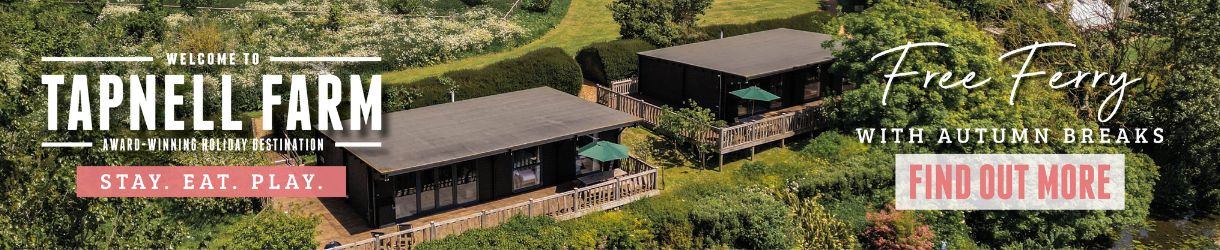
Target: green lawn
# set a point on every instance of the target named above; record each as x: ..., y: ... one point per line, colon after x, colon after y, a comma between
x: 675, y: 177
x: 589, y: 21
x: 746, y: 11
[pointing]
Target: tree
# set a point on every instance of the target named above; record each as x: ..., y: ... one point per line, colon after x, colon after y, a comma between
x: 1186, y: 102
x: 683, y: 130
x: 660, y: 22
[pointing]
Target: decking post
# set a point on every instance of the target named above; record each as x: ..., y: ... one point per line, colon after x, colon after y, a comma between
x: 530, y: 208
x: 377, y: 242
x: 483, y: 218
x: 432, y: 230
x: 616, y: 188
x: 576, y: 199
x: 720, y: 166
x: 782, y: 144
x: 751, y: 153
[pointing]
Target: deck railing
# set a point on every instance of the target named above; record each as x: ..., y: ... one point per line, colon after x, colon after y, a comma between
x: 642, y: 181
x: 725, y: 139
x: 625, y: 86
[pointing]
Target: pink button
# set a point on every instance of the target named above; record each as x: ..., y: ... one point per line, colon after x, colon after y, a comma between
x: 208, y: 181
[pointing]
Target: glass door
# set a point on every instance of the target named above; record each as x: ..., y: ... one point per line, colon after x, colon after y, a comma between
x: 444, y: 186
x: 427, y: 194
x: 406, y: 198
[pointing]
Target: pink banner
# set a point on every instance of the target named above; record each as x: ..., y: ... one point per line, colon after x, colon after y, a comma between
x: 207, y: 181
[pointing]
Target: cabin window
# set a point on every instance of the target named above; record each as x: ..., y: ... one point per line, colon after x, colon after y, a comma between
x: 467, y: 183
x: 527, y: 168
x: 405, y: 195
x: 813, y: 85
x: 427, y: 195
x: 444, y: 184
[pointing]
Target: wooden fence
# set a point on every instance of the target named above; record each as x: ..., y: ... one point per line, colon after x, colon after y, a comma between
x: 642, y: 181
x: 725, y: 139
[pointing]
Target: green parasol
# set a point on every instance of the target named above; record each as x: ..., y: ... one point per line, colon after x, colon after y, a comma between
x: 604, y: 151
x: 754, y: 93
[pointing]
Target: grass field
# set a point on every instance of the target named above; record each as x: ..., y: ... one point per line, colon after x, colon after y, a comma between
x: 589, y: 21
x: 746, y: 11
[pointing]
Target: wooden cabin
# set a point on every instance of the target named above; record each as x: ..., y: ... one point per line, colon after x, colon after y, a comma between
x: 789, y: 63
x: 446, y: 156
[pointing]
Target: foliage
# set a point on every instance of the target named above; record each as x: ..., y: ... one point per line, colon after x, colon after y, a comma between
x: 1185, y: 102
x: 660, y: 22
x: 418, y: 42
x: 268, y: 230
x: 549, y: 67
x: 537, y: 5
x: 200, y: 37
x: 610, y: 230
x: 520, y: 232
x: 93, y: 8
x: 819, y: 228
x: 192, y: 6
x: 746, y: 220
x: 680, y: 126
x: 334, y: 16
x: 474, y: 2
x: 149, y: 22
x: 609, y: 61
x: 893, y: 229
x: 817, y: 21
x: 405, y: 7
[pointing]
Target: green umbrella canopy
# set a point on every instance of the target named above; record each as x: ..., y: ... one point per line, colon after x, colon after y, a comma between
x: 604, y: 151
x: 754, y: 93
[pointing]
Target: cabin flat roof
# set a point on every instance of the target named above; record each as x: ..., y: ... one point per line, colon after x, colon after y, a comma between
x: 751, y: 55
x: 449, y: 133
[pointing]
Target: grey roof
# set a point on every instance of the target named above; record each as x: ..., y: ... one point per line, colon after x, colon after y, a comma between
x: 751, y: 55
x: 453, y: 132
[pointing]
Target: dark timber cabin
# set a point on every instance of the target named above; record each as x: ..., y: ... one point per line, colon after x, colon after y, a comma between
x: 791, y: 64
x: 441, y: 157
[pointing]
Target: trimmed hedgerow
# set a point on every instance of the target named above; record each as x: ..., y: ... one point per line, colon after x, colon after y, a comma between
x: 814, y: 22
x: 608, y: 61
x: 549, y: 67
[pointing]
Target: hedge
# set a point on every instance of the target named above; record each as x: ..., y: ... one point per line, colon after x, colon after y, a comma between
x: 608, y: 61
x: 549, y: 67
x: 817, y: 21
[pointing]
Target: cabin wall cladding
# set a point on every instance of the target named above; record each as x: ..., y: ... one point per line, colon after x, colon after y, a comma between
x: 657, y: 81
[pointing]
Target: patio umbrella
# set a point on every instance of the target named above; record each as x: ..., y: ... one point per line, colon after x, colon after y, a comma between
x: 604, y: 151
x: 754, y: 93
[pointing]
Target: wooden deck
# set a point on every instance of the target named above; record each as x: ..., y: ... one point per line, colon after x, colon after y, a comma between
x: 772, y: 126
x: 341, y: 223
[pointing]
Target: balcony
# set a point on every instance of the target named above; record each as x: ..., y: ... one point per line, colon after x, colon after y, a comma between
x: 640, y: 181
x: 769, y: 127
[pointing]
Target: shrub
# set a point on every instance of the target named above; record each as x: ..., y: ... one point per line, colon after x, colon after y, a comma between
x: 474, y: 2
x: 537, y: 5
x: 668, y: 219
x: 549, y: 67
x: 747, y: 220
x: 896, y: 230
x: 520, y: 232
x: 609, y: 230
x: 268, y: 229
x: 403, y: 6
x: 608, y: 61
x: 833, y: 147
